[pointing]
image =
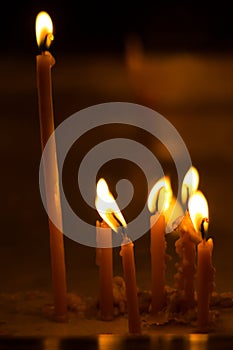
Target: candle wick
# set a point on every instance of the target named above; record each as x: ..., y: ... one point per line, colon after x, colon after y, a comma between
x: 157, y: 199
x: 123, y: 233
x: 188, y: 194
x: 203, y: 230
x: 46, y: 42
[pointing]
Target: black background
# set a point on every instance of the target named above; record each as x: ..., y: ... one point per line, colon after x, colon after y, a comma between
x: 102, y: 26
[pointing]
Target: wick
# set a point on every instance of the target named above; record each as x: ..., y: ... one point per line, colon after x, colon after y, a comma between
x: 188, y: 194
x: 157, y: 199
x: 123, y: 233
x: 46, y: 42
x: 203, y: 231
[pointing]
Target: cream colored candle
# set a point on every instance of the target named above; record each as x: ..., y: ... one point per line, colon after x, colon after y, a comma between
x: 104, y: 260
x: 127, y: 253
x: 205, y: 282
x: 44, y: 62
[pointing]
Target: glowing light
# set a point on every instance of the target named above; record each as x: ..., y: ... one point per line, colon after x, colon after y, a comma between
x: 44, y: 30
x: 190, y: 184
x: 107, y: 206
x: 160, y: 195
x: 198, y: 210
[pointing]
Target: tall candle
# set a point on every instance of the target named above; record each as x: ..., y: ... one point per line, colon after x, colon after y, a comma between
x: 127, y: 253
x: 45, y: 61
x: 205, y: 282
x: 104, y: 260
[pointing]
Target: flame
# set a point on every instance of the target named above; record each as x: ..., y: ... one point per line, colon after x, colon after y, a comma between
x: 161, y: 194
x: 198, y: 209
x: 173, y: 214
x: 107, y: 206
x: 190, y: 184
x: 44, y: 30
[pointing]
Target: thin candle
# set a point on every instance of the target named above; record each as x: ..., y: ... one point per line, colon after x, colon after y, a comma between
x: 111, y: 214
x: 161, y: 195
x: 128, y: 262
x: 104, y: 261
x: 45, y: 61
x: 186, y: 246
x: 199, y: 213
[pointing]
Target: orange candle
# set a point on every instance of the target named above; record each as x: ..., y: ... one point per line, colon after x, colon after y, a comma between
x: 44, y: 63
x: 104, y: 260
x: 205, y: 282
x: 199, y: 214
x: 157, y: 250
x: 186, y: 267
x: 127, y: 253
x: 111, y: 214
x: 159, y: 200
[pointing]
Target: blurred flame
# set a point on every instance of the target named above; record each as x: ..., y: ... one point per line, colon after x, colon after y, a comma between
x: 198, y: 209
x: 107, y: 206
x: 44, y: 29
x: 190, y: 184
x: 160, y: 194
x: 173, y: 215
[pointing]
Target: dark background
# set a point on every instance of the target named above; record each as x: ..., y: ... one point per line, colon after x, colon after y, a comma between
x: 102, y: 26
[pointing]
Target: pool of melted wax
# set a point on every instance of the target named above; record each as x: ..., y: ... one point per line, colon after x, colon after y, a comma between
x: 31, y: 314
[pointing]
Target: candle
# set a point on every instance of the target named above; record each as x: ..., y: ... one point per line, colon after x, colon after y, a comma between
x: 127, y: 253
x: 111, y: 214
x: 186, y: 245
x: 205, y: 280
x: 45, y: 61
x: 161, y: 194
x: 199, y: 213
x: 184, y: 279
x: 104, y: 260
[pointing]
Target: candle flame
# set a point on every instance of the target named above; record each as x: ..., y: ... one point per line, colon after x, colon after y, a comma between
x: 107, y: 206
x: 44, y: 30
x: 198, y: 210
x: 160, y: 195
x: 190, y: 184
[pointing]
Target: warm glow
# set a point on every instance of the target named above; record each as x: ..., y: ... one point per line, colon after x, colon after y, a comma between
x: 107, y: 206
x: 198, y: 209
x: 190, y: 184
x: 172, y: 214
x: 160, y: 196
x: 44, y: 30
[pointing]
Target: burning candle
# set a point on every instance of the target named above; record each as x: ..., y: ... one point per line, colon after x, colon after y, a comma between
x: 104, y: 256
x: 44, y: 35
x: 186, y: 246
x: 199, y: 213
x: 111, y: 214
x: 127, y: 254
x: 158, y: 201
x: 104, y: 260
